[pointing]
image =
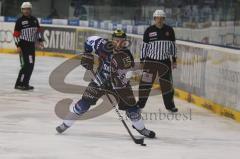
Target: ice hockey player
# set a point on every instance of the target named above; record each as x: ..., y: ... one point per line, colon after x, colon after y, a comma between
x: 115, y: 61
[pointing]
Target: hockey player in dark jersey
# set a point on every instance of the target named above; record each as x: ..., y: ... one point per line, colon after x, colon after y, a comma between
x: 115, y: 61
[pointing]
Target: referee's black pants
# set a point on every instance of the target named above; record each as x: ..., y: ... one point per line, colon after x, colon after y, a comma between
x: 150, y: 70
x: 27, y: 60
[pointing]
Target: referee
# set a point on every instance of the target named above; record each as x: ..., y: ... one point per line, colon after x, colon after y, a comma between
x: 158, y: 56
x: 26, y: 33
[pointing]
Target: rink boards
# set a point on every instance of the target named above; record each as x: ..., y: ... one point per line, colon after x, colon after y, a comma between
x: 207, y: 76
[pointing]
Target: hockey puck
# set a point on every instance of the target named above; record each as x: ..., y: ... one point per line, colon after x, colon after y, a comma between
x: 143, y: 145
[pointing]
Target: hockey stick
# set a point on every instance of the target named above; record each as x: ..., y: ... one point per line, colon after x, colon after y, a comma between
x: 137, y: 141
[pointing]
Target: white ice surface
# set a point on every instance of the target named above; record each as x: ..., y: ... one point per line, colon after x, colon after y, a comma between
x: 28, y: 121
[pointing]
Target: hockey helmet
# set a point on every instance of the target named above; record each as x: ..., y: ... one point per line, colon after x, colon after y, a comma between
x: 26, y: 5
x: 119, y: 34
x: 159, y: 13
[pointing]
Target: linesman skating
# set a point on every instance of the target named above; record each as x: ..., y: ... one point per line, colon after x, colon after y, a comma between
x: 158, y: 56
x: 27, y: 31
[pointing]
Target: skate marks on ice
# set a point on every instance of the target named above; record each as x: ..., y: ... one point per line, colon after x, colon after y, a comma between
x: 27, y: 126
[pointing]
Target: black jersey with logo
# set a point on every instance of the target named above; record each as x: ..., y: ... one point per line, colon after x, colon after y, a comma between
x: 158, y: 43
x: 27, y: 29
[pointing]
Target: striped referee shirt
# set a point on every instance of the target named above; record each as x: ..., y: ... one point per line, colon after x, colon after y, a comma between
x: 27, y: 29
x: 158, y: 44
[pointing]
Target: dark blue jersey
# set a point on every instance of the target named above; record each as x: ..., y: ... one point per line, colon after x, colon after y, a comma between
x: 103, y: 49
x: 107, y: 55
